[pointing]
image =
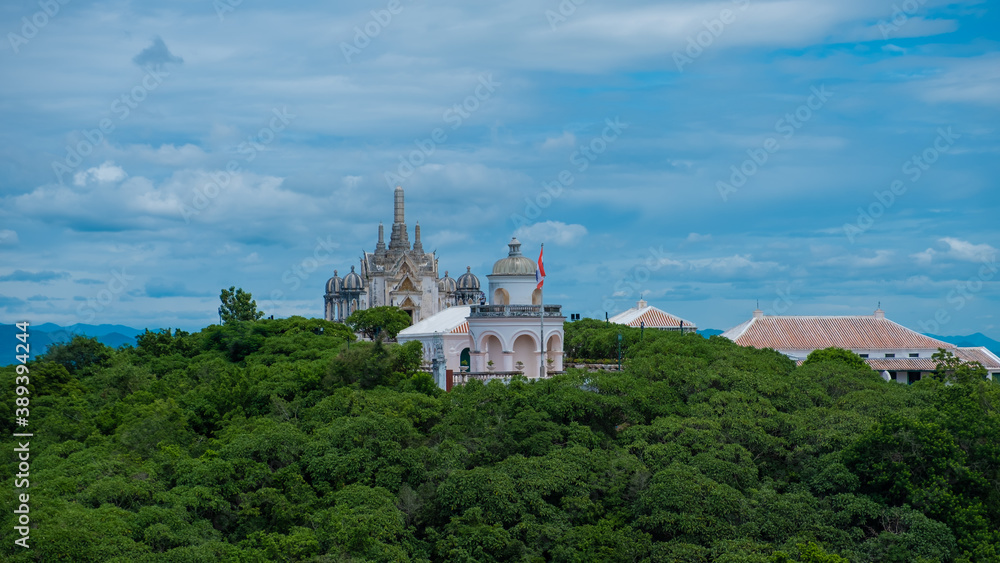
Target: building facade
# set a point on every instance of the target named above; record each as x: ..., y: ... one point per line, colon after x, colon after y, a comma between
x: 891, y: 349
x: 512, y: 333
x: 398, y: 275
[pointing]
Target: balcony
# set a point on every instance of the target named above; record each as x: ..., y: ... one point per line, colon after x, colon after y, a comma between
x: 497, y: 311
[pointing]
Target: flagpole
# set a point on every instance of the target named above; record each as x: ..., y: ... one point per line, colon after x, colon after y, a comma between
x: 541, y: 320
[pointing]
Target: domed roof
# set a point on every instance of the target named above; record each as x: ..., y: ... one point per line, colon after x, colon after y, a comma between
x: 446, y: 284
x: 514, y: 264
x: 334, y: 284
x: 468, y: 281
x: 353, y: 282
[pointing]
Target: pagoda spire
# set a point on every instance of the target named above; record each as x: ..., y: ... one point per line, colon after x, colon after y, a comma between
x: 399, y: 240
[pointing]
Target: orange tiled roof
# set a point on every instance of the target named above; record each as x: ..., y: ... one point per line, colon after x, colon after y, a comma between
x: 461, y: 329
x: 651, y: 317
x: 980, y: 354
x: 813, y: 333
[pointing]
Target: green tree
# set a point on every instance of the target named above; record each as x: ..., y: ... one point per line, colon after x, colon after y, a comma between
x: 78, y: 354
x: 952, y: 368
x: 238, y: 305
x: 379, y: 322
x: 835, y: 355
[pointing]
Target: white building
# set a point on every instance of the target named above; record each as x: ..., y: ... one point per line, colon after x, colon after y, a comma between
x: 398, y: 275
x: 893, y: 350
x: 501, y: 337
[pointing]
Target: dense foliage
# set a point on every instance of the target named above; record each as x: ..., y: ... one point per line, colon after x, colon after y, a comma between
x: 238, y: 305
x: 379, y: 322
x: 272, y: 441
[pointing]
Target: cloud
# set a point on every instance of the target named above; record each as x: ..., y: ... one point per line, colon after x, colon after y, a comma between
x: 104, y: 174
x: 924, y: 257
x: 964, y: 250
x: 881, y: 258
x: 723, y: 265
x: 695, y: 237
x: 8, y: 236
x: 974, y: 80
x: 566, y: 140
x: 156, y: 55
x: 159, y: 287
x: 554, y: 232
x: 11, y: 302
x: 38, y: 277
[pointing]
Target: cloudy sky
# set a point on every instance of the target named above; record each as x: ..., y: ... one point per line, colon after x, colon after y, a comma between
x: 821, y: 157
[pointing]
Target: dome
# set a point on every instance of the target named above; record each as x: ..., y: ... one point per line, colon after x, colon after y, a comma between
x: 334, y: 284
x: 468, y: 281
x: 353, y: 282
x: 446, y: 284
x: 514, y: 264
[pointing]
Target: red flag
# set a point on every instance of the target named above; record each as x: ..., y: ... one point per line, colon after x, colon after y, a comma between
x: 540, y: 272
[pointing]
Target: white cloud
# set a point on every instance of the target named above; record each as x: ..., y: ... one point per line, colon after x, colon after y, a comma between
x: 106, y: 173
x: 722, y: 265
x: 7, y: 236
x: 552, y: 231
x: 924, y: 257
x: 881, y: 258
x: 566, y: 140
x: 976, y: 80
x: 695, y: 237
x: 964, y: 250
x: 957, y: 250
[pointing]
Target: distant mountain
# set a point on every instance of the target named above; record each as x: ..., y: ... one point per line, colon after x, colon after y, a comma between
x: 43, y: 335
x: 977, y: 339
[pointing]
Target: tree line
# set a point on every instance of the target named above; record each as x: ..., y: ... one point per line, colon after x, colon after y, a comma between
x: 290, y: 440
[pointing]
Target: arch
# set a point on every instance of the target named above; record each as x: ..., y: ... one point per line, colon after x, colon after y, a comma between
x: 494, y: 351
x: 536, y: 297
x: 501, y: 297
x: 465, y: 359
x: 525, y: 350
x: 554, y: 352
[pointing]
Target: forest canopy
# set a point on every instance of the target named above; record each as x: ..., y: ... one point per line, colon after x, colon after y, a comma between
x: 289, y: 440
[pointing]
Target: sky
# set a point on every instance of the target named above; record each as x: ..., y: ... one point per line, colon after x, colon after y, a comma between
x: 809, y: 157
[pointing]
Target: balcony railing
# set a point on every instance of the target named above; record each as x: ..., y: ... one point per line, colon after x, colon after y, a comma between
x: 514, y: 311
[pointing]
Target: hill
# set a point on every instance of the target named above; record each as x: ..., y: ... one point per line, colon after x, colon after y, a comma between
x: 41, y: 336
x: 972, y: 340
x: 275, y: 440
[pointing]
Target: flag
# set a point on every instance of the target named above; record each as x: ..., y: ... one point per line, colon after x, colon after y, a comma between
x: 540, y: 272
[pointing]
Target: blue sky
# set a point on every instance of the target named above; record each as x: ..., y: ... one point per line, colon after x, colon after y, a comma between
x: 821, y: 157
